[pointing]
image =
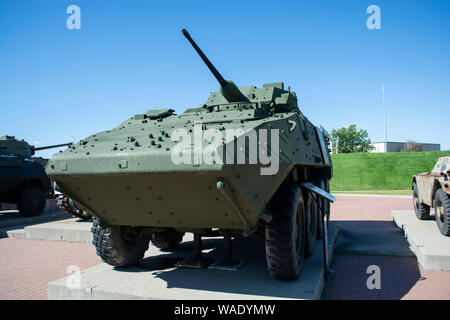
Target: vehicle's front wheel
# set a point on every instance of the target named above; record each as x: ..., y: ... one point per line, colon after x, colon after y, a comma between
x: 442, y: 211
x: 422, y: 210
x: 31, y: 202
x: 285, y: 233
x: 119, y: 246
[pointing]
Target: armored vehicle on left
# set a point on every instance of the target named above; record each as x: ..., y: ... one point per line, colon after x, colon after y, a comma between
x: 22, y: 178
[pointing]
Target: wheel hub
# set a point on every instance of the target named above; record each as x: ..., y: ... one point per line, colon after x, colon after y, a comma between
x: 34, y: 202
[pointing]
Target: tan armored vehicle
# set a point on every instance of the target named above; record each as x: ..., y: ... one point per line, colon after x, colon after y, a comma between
x: 432, y: 189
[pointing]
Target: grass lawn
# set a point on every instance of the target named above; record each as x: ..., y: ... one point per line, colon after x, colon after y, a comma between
x: 380, y: 173
x: 385, y: 192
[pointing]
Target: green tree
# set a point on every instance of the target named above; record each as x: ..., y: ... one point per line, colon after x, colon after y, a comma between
x: 348, y: 140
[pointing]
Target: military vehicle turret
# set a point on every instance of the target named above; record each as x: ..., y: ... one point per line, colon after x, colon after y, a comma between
x: 22, y: 178
x: 432, y: 189
x: 238, y: 163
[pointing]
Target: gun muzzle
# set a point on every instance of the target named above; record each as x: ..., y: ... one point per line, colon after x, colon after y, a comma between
x: 227, y: 88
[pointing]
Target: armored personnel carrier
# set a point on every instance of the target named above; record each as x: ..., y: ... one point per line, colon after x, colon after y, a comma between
x: 432, y: 189
x: 241, y: 164
x: 22, y: 178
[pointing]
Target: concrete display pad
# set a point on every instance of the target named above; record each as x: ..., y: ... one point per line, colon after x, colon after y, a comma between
x: 372, y: 241
x: 70, y: 230
x: 431, y: 248
x: 12, y: 223
x: 156, y: 278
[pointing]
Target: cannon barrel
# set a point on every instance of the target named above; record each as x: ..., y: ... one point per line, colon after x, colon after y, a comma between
x: 53, y: 146
x: 205, y: 59
x: 227, y: 88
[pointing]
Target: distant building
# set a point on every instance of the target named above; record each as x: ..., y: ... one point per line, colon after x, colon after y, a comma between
x: 398, y: 146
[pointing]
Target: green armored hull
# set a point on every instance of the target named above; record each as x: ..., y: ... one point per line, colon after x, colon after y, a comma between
x: 126, y: 175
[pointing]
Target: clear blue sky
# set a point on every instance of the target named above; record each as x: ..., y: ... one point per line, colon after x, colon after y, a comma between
x: 57, y: 84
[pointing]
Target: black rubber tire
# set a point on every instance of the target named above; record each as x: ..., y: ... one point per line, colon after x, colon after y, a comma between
x: 422, y: 210
x: 31, y: 202
x: 285, y: 233
x: 443, y: 220
x: 167, y: 240
x: 111, y: 246
x: 311, y: 209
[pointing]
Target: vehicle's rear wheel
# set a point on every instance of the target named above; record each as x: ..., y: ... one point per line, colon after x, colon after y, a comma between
x: 118, y: 246
x: 285, y: 233
x: 311, y: 224
x: 422, y: 210
x: 167, y: 240
x: 31, y: 202
x: 442, y: 211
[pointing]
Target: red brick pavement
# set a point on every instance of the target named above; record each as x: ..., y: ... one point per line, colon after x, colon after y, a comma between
x: 27, y: 266
x: 367, y: 212
x: 401, y: 277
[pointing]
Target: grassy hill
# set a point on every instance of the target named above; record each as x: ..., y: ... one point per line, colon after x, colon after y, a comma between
x: 380, y: 171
